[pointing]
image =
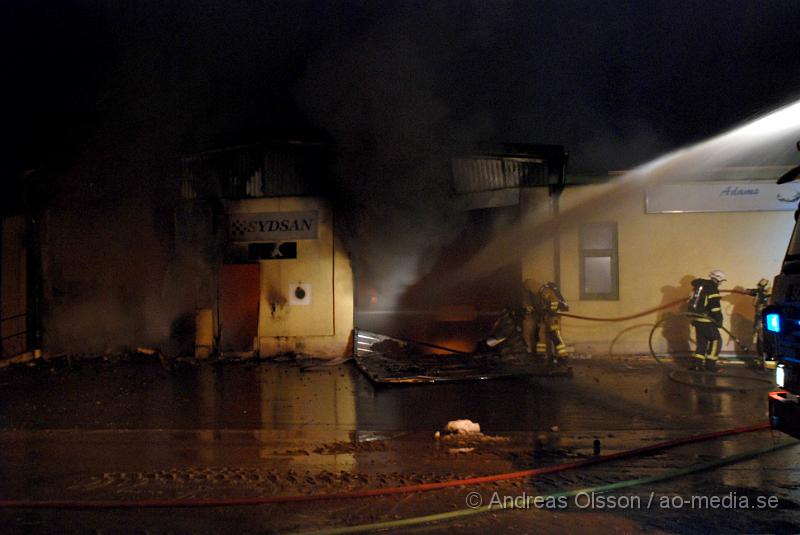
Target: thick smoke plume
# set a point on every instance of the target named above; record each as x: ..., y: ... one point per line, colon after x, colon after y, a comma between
x: 379, y: 97
x: 108, y: 95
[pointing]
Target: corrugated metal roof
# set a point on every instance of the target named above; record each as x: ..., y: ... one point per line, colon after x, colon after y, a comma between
x: 265, y: 169
x: 473, y: 174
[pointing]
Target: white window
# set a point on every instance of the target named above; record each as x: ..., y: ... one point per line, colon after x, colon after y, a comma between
x: 599, y: 261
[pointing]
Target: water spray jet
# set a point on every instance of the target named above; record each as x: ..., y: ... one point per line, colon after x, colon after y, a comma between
x: 762, y: 140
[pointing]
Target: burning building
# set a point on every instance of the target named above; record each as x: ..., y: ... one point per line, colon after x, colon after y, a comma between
x: 253, y: 258
x: 257, y: 232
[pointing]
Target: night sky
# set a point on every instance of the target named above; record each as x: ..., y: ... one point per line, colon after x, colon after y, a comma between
x: 134, y: 84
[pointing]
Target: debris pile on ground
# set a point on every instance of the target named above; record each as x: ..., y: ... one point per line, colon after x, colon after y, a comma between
x: 336, y: 448
x: 247, y: 481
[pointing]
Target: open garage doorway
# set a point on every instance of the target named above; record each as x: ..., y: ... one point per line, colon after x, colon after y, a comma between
x: 439, y: 310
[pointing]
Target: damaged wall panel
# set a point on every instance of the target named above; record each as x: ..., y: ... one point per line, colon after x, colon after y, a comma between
x: 305, y: 302
x: 13, y: 292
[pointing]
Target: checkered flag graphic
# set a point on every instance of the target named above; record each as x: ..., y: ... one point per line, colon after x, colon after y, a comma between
x: 238, y: 228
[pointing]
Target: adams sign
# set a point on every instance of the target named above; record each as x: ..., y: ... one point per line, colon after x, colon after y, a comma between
x: 721, y: 197
x: 274, y: 226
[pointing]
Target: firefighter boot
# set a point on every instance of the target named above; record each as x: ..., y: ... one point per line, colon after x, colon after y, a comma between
x: 711, y: 364
x: 697, y: 362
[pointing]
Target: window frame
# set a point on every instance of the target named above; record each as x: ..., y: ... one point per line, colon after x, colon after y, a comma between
x: 612, y: 253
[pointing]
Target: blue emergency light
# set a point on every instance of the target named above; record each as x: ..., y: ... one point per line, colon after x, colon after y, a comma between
x: 773, y: 323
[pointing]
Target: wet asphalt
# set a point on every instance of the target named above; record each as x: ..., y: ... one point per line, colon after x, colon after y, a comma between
x: 131, y: 429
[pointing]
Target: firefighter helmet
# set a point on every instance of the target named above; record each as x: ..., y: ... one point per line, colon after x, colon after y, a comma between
x: 717, y: 276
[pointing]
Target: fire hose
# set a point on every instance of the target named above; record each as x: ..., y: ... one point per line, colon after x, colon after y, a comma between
x: 166, y: 503
x: 644, y: 313
x: 624, y: 318
x: 406, y: 489
x: 676, y: 373
x: 462, y: 513
x: 592, y: 318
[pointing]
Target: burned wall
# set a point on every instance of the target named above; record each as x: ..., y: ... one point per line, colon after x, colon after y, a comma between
x: 115, y: 277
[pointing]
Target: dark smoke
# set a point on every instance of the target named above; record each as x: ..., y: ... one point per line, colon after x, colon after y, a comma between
x: 379, y: 97
x: 103, y: 97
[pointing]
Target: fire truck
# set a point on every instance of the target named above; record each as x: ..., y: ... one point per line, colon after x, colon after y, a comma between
x: 781, y: 327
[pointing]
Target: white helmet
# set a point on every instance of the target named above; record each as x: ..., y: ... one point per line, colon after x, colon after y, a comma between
x: 717, y: 275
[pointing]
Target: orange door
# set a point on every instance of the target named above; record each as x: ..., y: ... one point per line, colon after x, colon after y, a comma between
x: 238, y: 306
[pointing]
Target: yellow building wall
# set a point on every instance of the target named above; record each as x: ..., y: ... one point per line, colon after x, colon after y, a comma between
x: 659, y: 255
x: 537, y: 259
x: 324, y: 327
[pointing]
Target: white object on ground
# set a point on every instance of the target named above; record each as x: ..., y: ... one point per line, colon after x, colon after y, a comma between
x: 463, y: 427
x: 491, y: 342
x: 456, y: 451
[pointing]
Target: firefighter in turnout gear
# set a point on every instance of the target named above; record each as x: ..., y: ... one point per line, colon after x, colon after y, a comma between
x: 534, y: 329
x: 548, y: 304
x: 507, y: 337
x: 706, y: 312
x: 761, y: 293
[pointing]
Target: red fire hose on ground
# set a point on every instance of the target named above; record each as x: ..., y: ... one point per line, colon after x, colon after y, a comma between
x: 407, y: 489
x: 492, y: 507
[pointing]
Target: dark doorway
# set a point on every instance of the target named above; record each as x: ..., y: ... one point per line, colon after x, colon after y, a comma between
x: 463, y: 314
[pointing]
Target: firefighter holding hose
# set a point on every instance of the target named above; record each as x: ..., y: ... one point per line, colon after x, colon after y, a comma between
x: 705, y: 309
x: 547, y: 304
x: 761, y: 294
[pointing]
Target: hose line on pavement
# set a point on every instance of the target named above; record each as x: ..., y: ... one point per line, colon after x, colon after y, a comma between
x: 407, y: 489
x: 676, y: 374
x: 462, y: 513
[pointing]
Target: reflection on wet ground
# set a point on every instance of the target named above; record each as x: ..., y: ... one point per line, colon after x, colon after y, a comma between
x: 128, y: 430
x: 630, y: 394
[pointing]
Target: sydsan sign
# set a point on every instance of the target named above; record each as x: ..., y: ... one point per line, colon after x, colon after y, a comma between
x: 274, y: 226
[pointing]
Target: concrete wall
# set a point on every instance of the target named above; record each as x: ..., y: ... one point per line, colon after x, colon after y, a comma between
x: 659, y: 255
x: 323, y: 326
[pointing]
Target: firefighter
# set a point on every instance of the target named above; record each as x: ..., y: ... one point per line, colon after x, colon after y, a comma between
x: 761, y: 293
x: 706, y: 312
x: 549, y: 341
x: 534, y: 316
x: 507, y: 337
